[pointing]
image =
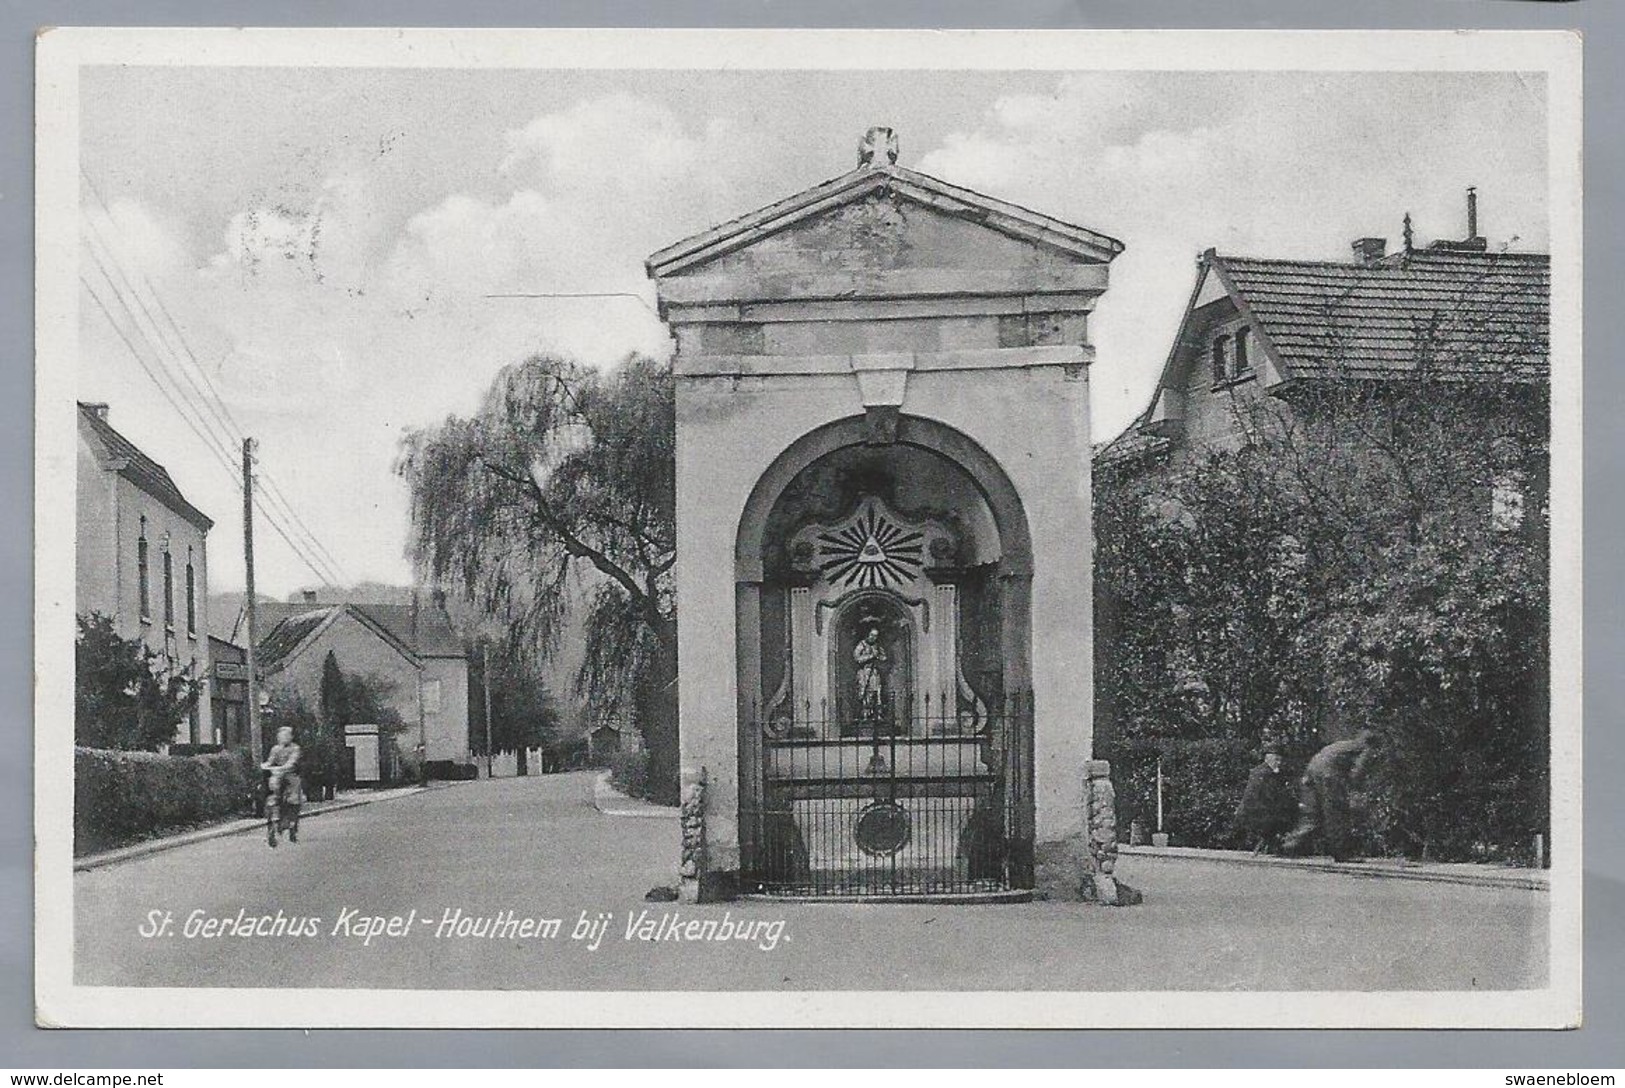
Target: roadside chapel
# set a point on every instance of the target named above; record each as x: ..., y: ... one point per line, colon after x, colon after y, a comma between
x: 883, y: 503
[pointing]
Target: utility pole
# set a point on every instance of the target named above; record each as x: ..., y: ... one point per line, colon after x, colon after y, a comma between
x: 485, y: 678
x: 256, y: 744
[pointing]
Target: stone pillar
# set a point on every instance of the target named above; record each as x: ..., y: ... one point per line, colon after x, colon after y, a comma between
x: 692, y: 875
x: 1100, y: 883
x: 1084, y: 866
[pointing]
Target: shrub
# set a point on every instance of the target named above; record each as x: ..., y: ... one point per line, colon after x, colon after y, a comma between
x: 125, y: 695
x: 121, y: 796
x: 1202, y: 783
x: 629, y: 773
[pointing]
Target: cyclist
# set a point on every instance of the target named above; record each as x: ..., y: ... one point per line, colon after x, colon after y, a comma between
x: 286, y: 792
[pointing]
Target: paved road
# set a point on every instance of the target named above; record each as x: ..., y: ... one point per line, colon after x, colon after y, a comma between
x: 537, y: 848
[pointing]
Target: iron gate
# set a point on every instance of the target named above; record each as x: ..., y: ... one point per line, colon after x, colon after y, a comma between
x: 903, y: 802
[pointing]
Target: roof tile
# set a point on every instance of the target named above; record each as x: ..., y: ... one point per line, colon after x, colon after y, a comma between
x: 1463, y: 311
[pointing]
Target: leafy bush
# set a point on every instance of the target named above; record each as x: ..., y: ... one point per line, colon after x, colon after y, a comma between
x: 1202, y: 782
x: 1343, y: 569
x: 629, y: 773
x: 121, y: 796
x: 125, y: 695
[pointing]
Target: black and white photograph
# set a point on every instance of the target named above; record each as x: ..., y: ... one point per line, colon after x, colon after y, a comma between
x: 794, y: 528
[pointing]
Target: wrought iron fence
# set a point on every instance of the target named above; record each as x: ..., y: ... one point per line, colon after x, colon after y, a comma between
x: 901, y: 799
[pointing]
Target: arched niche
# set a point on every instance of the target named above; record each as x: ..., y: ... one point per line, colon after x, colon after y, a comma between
x: 949, y: 547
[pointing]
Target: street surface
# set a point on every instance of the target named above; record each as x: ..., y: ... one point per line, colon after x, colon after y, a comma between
x: 536, y: 849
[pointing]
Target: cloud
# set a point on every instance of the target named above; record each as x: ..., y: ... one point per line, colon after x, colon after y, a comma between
x: 330, y: 321
x: 135, y: 230
x: 1281, y: 165
x: 354, y: 301
x: 599, y: 141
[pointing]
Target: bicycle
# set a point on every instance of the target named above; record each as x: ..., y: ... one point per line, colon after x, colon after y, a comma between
x: 280, y: 816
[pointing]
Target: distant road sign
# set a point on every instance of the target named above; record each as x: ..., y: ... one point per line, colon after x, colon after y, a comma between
x: 230, y: 670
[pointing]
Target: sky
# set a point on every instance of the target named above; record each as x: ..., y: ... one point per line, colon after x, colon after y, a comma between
x: 323, y: 245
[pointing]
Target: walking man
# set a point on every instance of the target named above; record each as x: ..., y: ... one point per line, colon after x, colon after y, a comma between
x: 1323, y: 796
x: 1268, y: 806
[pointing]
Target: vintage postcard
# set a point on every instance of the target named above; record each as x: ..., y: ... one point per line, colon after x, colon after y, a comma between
x: 852, y: 529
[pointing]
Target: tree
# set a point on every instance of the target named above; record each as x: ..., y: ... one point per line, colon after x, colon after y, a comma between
x: 1371, y: 552
x: 524, y: 714
x: 125, y: 695
x: 560, y: 493
x: 344, y: 699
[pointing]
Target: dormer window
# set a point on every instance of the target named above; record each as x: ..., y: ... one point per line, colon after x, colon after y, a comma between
x: 1232, y: 356
x: 1221, y: 359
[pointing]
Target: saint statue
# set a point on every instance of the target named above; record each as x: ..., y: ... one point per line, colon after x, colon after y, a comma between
x: 870, y: 656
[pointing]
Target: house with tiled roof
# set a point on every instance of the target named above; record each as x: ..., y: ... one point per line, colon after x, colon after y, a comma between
x: 1392, y: 393
x: 409, y: 650
x: 141, y: 555
x: 1265, y: 343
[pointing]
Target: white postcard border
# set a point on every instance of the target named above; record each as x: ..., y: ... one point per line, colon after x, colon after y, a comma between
x: 62, y: 52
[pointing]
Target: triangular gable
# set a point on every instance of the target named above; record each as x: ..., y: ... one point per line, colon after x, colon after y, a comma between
x: 1005, y: 218
x: 314, y: 635
x: 1213, y: 284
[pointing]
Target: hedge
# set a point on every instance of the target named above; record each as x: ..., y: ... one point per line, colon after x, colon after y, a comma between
x: 119, y: 796
x: 1202, y: 783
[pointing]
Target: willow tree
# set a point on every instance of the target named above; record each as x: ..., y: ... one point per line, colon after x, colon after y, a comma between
x: 555, y: 503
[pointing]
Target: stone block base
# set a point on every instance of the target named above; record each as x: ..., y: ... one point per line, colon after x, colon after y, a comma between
x: 1067, y: 871
x: 1058, y: 869
x: 1083, y: 867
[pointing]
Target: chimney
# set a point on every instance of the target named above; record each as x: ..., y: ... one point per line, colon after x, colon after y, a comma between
x: 1474, y: 242
x: 1368, y: 251
x: 97, y: 409
x: 309, y: 595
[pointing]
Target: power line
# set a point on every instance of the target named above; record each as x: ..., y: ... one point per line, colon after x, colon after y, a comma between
x: 208, y: 394
x: 155, y: 342
x: 228, y: 420
x: 271, y: 489
x: 185, y: 418
x: 309, y: 544
x: 210, y: 441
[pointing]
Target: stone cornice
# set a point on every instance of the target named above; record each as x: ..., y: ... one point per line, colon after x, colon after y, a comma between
x: 1069, y: 287
x: 1069, y: 356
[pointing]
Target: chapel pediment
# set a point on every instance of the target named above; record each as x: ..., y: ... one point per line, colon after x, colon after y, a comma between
x: 888, y: 232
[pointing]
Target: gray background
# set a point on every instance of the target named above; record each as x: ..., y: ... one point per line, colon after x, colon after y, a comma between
x: 1598, y: 1044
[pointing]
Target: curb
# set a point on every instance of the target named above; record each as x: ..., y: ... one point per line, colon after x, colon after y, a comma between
x: 220, y: 831
x: 1379, y: 870
x: 612, y: 802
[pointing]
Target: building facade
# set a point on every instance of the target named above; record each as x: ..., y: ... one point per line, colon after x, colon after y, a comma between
x: 1270, y: 346
x: 413, y: 651
x: 228, y: 708
x: 1393, y: 396
x: 883, y: 500
x: 141, y: 557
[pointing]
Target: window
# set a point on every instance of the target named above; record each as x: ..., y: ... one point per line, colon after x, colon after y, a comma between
x: 1232, y: 356
x: 431, y: 696
x: 1244, y: 365
x: 142, y: 575
x: 169, y: 591
x: 191, y: 596
x: 1221, y: 359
